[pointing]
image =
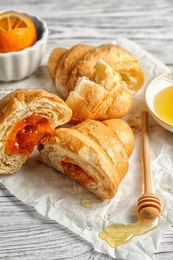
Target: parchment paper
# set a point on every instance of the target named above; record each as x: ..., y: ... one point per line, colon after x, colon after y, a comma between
x: 59, y: 198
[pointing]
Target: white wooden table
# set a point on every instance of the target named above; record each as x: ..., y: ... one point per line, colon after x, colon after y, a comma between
x: 24, y: 234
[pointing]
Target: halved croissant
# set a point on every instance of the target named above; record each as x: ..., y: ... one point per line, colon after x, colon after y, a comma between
x: 103, y: 97
x: 119, y: 59
x: 26, y: 116
x: 83, y: 62
x: 94, y: 154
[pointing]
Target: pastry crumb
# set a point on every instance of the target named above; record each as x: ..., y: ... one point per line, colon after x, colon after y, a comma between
x: 134, y: 124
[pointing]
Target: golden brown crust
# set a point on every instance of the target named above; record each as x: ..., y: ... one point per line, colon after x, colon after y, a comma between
x: 20, y: 99
x: 19, y: 105
x: 67, y: 64
x: 93, y: 149
x: 108, y: 141
x: 54, y: 60
x: 123, y: 132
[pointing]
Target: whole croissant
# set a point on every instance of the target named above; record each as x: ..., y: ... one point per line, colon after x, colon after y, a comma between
x: 66, y: 66
x: 94, y: 154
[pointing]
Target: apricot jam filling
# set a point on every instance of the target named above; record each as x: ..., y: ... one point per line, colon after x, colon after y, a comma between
x: 27, y: 133
x: 76, y: 173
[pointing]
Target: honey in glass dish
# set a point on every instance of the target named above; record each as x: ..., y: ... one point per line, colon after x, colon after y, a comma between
x: 163, y: 104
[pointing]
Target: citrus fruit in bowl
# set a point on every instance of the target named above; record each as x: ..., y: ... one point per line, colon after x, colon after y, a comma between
x: 17, y: 31
x: 23, y: 40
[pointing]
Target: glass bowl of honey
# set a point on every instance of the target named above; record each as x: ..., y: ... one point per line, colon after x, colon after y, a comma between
x: 159, y: 100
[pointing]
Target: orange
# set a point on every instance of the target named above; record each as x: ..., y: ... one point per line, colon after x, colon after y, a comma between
x: 17, y: 31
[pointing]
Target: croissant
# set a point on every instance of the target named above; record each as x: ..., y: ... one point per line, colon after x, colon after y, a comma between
x: 80, y: 60
x: 93, y: 153
x: 101, y: 98
x: 26, y: 117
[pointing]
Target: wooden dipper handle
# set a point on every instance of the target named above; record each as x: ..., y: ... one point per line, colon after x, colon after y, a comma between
x: 149, y: 206
x: 146, y: 153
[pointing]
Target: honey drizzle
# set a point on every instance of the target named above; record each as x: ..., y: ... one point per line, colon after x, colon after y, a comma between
x: 119, y: 234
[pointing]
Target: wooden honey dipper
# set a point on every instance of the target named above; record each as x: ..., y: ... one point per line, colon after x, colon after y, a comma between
x: 148, y: 206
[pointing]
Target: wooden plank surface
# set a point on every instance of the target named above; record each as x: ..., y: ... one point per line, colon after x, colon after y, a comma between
x: 25, y: 234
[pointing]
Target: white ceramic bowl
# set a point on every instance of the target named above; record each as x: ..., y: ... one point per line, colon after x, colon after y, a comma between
x: 156, y: 85
x: 20, y: 64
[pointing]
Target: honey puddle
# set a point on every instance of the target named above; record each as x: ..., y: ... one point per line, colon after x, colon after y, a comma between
x: 119, y: 234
